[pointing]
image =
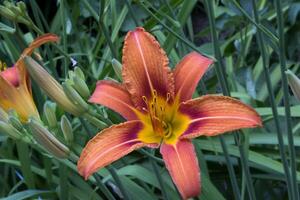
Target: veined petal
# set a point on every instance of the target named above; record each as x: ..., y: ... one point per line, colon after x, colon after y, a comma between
x: 108, y: 146
x: 187, y: 74
x: 115, y: 97
x: 181, y: 161
x: 11, y: 75
x: 49, y: 37
x: 145, y: 67
x: 18, y: 99
x: 212, y: 115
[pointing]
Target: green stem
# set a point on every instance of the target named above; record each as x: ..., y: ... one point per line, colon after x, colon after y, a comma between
x: 158, y: 176
x: 131, y: 13
x: 260, y: 27
x: 188, y: 43
x: 221, y: 73
x: 24, y: 157
x: 119, y: 183
x: 286, y: 98
x: 103, y: 188
x: 261, y: 45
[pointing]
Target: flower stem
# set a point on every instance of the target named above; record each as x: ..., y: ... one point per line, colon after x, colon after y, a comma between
x: 119, y: 183
x: 261, y: 45
x: 287, y: 108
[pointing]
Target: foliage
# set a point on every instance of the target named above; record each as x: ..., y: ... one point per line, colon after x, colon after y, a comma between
x: 252, y: 49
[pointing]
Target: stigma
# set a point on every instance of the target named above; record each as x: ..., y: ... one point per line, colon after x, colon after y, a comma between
x: 156, y: 110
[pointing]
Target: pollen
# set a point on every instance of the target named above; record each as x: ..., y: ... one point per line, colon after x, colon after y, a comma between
x: 3, y: 66
x: 161, y: 118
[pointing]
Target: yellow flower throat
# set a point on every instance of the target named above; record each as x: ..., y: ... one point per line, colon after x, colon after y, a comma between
x: 162, y: 122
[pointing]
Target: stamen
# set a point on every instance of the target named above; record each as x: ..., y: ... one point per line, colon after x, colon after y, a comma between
x: 145, y: 99
x: 168, y: 96
x: 3, y: 66
x: 154, y: 93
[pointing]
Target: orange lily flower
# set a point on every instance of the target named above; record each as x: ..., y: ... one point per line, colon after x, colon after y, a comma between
x: 160, y: 112
x: 15, y: 89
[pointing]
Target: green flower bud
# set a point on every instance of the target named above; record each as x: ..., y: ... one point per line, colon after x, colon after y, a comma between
x: 49, y: 113
x: 47, y: 140
x: 50, y: 86
x: 74, y: 96
x: 67, y: 129
x: 22, y: 7
x: 81, y: 87
x: 9, y: 130
x: 7, y: 13
x: 15, y: 122
x: 78, y: 72
x: 3, y: 115
x: 294, y: 83
x: 117, y: 66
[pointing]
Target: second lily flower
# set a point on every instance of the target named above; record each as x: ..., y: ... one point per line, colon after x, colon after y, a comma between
x: 160, y: 112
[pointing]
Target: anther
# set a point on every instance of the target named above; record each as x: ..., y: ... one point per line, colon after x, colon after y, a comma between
x: 145, y: 99
x: 154, y: 93
x: 168, y: 96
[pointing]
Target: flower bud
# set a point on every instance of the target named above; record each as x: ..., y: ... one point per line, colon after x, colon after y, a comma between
x: 73, y: 95
x: 294, y: 83
x: 22, y: 7
x: 67, y: 129
x: 15, y: 122
x: 117, y: 66
x: 78, y: 72
x: 3, y: 115
x: 81, y: 87
x: 49, y: 113
x: 7, y: 13
x: 50, y: 86
x: 47, y: 140
x: 9, y: 130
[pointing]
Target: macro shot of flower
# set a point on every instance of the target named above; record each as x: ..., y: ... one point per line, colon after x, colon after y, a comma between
x: 151, y: 100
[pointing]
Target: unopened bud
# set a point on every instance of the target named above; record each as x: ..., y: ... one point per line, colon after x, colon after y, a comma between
x: 117, y: 66
x: 294, y: 83
x: 50, y: 86
x: 9, y: 130
x: 49, y: 112
x: 3, y: 115
x: 78, y: 72
x: 7, y: 13
x: 81, y: 87
x: 73, y: 95
x: 15, y: 122
x: 22, y: 6
x: 67, y: 129
x: 47, y: 140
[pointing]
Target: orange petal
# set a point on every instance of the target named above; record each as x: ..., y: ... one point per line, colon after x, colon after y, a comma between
x: 212, y: 115
x: 49, y: 37
x: 145, y: 67
x: 18, y: 99
x: 11, y: 75
x: 108, y: 146
x: 115, y: 97
x: 181, y: 161
x: 187, y: 74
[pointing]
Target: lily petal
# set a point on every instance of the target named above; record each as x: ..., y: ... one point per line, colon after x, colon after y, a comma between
x: 108, y: 146
x: 181, y: 161
x: 24, y: 78
x: 145, y: 67
x: 187, y: 74
x: 212, y: 115
x: 18, y: 99
x: 115, y: 97
x: 11, y: 75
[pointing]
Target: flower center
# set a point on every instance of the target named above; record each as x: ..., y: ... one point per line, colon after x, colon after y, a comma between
x: 156, y: 109
x: 3, y: 66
